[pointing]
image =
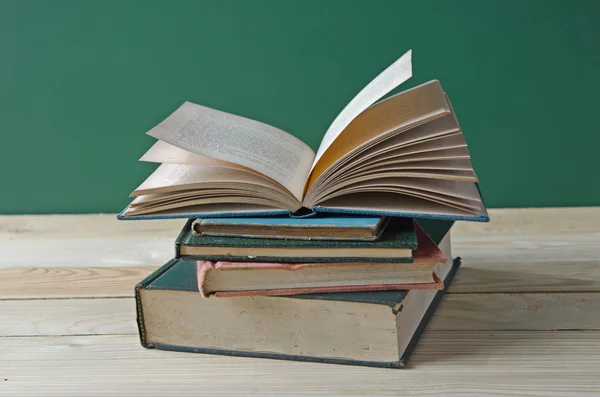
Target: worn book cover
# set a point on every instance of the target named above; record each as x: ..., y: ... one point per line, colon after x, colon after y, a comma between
x: 377, y: 329
x: 226, y: 279
x: 394, y: 245
x: 350, y: 228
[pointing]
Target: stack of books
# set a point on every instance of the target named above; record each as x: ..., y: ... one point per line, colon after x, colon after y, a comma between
x: 336, y: 256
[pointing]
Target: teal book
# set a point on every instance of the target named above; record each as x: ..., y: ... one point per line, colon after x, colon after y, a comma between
x: 345, y: 228
x: 379, y: 329
x: 403, y: 155
x: 394, y: 245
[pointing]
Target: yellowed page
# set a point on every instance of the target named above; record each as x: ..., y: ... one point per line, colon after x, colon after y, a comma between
x: 199, y: 202
x: 234, y: 209
x: 396, y: 74
x: 223, y: 136
x: 462, y: 189
x: 395, y: 203
x: 437, y: 128
x: 400, y: 164
x: 454, y: 202
x: 163, y: 152
x: 177, y: 177
x: 395, y: 115
x: 420, y: 148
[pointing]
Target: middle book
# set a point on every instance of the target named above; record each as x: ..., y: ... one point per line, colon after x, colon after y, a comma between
x: 241, y: 266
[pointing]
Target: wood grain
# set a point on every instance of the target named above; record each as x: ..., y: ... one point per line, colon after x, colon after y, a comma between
x: 524, y: 311
x: 537, y: 221
x: 446, y: 363
x: 473, y: 277
x: 67, y: 317
x: 518, y: 276
x: 102, y: 240
x: 526, y: 247
x: 56, y: 227
x: 85, y: 240
x: 70, y: 282
x: 101, y: 250
x: 490, y: 312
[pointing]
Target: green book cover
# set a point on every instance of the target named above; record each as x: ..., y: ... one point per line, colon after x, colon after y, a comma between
x: 398, y: 235
x: 436, y: 229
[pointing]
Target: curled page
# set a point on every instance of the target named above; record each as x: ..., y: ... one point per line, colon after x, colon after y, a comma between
x: 396, y: 74
x: 249, y: 143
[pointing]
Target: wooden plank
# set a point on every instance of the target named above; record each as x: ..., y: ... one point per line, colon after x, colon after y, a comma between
x: 131, y: 250
x: 503, y: 221
x: 473, y: 277
x: 564, y: 234
x: 85, y: 240
x: 70, y: 282
x: 529, y: 311
x: 56, y: 227
x: 568, y: 247
x: 67, y: 317
x: 534, y: 221
x: 520, y: 276
x: 496, y: 312
x: 446, y: 363
x: 102, y: 250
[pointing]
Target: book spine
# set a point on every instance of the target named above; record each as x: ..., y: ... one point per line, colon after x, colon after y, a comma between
x: 182, y: 235
x: 202, y: 269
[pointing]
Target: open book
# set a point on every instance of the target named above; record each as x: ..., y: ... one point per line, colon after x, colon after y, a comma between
x: 402, y: 156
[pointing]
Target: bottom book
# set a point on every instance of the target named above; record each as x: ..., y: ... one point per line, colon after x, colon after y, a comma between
x: 361, y: 328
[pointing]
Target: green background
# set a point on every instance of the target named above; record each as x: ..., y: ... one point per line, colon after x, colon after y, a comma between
x: 82, y: 81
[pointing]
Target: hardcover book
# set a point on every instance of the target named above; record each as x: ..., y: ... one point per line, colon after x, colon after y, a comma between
x: 394, y: 245
x: 361, y: 328
x: 402, y: 156
x: 226, y: 279
x: 350, y: 228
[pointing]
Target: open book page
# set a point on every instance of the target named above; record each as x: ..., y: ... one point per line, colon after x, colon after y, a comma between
x: 435, y: 129
x: 407, y: 166
x: 173, y: 178
x: 395, y: 203
x: 223, y: 136
x: 163, y: 152
x: 454, y: 202
x: 396, y: 74
x: 392, y: 116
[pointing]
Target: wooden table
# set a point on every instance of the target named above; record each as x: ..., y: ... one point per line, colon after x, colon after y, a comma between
x: 521, y: 319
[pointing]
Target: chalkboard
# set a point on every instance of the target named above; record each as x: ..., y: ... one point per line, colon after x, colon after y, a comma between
x: 82, y: 81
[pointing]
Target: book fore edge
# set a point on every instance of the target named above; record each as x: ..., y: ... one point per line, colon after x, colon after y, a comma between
x: 138, y: 301
x: 431, y: 310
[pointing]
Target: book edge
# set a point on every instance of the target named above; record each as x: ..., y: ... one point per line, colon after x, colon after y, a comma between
x: 429, y: 314
x: 138, y: 301
x: 263, y: 355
